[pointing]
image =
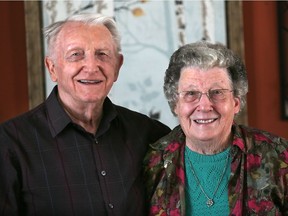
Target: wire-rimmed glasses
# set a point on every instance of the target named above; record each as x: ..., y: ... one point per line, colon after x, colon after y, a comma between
x: 214, y: 95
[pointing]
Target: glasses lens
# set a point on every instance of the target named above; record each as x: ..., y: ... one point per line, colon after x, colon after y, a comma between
x: 191, y: 96
x: 214, y: 95
x: 217, y: 94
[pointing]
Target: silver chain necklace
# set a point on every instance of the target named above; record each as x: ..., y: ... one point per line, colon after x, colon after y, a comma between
x: 210, y: 201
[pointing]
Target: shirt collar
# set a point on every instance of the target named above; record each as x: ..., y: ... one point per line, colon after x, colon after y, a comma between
x: 109, y: 114
x: 59, y: 119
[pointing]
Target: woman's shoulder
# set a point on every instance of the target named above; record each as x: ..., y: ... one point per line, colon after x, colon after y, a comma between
x: 260, y: 140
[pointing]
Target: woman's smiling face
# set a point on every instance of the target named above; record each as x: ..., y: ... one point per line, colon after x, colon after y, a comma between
x: 203, y: 119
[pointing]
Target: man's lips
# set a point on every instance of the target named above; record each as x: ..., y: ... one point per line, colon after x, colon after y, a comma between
x: 85, y: 81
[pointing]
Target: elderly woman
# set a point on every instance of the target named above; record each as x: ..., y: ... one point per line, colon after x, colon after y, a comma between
x: 209, y: 165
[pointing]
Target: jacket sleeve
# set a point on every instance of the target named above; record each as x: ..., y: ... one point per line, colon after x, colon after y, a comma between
x: 152, y: 172
x: 283, y: 173
x: 9, y: 175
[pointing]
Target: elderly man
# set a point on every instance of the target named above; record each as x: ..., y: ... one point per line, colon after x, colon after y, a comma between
x: 77, y: 153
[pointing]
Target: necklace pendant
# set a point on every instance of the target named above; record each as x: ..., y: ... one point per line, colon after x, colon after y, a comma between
x: 209, y: 202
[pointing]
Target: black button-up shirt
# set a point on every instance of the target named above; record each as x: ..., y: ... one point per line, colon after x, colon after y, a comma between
x: 51, y: 166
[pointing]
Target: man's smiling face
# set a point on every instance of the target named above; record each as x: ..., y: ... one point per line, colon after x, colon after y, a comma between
x: 85, y: 63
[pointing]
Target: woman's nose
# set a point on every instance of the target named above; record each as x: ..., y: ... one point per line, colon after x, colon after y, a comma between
x: 205, y: 103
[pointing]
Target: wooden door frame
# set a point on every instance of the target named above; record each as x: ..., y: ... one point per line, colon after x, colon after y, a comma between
x: 34, y: 47
x: 235, y: 37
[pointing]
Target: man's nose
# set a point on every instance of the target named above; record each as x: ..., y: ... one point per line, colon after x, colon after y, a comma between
x: 92, y: 63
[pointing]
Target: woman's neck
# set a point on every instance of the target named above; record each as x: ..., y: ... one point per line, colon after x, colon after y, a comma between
x: 209, y: 147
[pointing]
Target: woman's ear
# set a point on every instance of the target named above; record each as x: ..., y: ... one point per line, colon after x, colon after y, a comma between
x: 237, y: 105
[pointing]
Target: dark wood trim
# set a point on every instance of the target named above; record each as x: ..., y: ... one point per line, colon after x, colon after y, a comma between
x: 235, y: 37
x: 34, y: 46
x: 282, y: 9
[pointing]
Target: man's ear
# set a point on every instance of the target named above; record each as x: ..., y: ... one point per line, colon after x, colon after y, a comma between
x: 51, y: 68
x: 120, y: 59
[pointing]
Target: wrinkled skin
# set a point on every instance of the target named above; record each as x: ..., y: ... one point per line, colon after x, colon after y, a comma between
x: 206, y: 124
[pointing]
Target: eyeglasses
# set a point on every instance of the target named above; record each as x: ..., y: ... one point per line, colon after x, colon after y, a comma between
x: 214, y: 95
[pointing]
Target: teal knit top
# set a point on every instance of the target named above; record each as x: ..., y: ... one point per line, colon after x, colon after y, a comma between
x: 208, y: 169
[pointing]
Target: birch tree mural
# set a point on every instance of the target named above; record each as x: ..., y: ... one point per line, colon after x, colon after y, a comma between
x: 207, y: 20
x: 55, y: 10
x: 151, y: 31
x: 179, y: 12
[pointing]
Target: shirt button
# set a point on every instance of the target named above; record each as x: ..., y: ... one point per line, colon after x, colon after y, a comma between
x: 111, y: 206
x: 103, y: 173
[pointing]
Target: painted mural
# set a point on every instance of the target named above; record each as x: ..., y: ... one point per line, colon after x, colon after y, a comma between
x: 151, y: 31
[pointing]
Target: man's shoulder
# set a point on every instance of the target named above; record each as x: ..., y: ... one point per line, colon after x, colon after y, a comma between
x: 133, y: 115
x: 140, y: 121
x: 129, y: 112
x: 24, y: 120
